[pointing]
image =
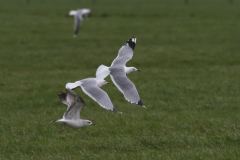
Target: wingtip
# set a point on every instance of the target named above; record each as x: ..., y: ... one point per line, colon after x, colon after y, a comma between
x: 132, y: 42
x: 140, y: 103
x: 84, y: 103
x: 114, y: 110
x: 62, y: 95
x: 117, y: 111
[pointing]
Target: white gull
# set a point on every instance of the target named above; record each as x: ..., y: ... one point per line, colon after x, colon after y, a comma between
x: 71, y: 117
x: 78, y: 18
x: 91, y: 87
x: 118, y: 71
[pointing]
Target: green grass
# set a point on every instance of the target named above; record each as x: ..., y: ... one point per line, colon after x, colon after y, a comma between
x: 190, y: 82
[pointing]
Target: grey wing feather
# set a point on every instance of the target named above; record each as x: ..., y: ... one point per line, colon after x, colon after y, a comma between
x: 68, y: 97
x: 63, y: 97
x: 125, y: 53
x: 77, y: 22
x: 128, y: 89
x: 97, y: 94
x: 75, y: 102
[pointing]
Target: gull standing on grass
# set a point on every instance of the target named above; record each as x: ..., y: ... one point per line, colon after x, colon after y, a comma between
x: 78, y: 18
x: 71, y: 117
x: 118, y: 71
x: 91, y: 87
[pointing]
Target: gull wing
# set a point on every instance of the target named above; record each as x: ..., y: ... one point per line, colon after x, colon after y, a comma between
x: 90, y: 87
x: 85, y: 11
x: 72, y: 13
x: 77, y: 21
x: 75, y: 104
x: 125, y: 53
x: 128, y: 89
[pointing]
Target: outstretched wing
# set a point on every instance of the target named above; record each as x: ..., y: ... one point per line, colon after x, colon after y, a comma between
x: 128, y: 89
x: 75, y: 104
x: 67, y: 99
x: 72, y: 13
x: 125, y: 53
x: 90, y: 87
x: 85, y: 11
x: 77, y: 21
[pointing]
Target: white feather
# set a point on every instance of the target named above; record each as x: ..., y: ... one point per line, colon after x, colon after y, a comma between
x: 72, y: 13
x: 73, y: 85
x: 102, y: 72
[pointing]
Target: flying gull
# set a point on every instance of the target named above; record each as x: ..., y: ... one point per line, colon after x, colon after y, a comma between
x: 78, y: 18
x: 91, y: 87
x: 118, y: 71
x: 71, y: 117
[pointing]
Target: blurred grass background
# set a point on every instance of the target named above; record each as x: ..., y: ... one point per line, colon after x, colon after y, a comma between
x: 189, y: 58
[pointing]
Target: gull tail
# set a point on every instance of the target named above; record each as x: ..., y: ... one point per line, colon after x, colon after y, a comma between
x: 59, y: 121
x: 102, y: 72
x: 73, y: 85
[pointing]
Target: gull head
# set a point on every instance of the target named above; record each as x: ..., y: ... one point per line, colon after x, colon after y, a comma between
x: 88, y: 123
x: 101, y: 83
x: 131, y: 69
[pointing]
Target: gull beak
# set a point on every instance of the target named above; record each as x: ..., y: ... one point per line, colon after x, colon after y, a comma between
x: 138, y: 70
x: 93, y: 124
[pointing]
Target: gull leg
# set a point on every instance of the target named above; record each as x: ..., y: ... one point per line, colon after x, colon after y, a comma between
x: 62, y: 129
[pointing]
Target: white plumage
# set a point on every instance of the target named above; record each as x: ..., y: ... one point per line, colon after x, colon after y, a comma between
x: 91, y: 87
x: 78, y: 18
x: 118, y: 71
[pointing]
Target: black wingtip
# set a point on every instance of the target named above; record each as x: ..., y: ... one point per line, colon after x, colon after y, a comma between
x: 132, y: 42
x: 80, y: 99
x: 62, y: 95
x: 114, y: 110
x: 140, y: 103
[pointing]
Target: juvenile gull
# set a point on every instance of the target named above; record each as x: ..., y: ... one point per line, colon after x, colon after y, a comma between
x: 118, y: 71
x: 91, y: 87
x: 71, y: 117
x: 78, y: 18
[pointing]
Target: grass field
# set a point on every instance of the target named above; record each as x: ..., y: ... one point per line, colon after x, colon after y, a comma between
x: 190, y: 80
